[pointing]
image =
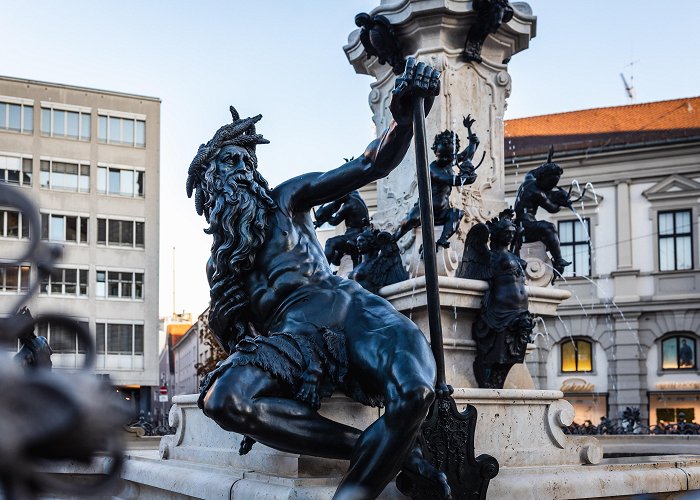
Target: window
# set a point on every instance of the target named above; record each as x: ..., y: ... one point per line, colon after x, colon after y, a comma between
x: 119, y: 345
x: 678, y: 353
x: 120, y: 181
x: 14, y: 279
x: 16, y: 117
x: 576, y: 246
x: 675, y: 414
x: 124, y: 131
x: 576, y: 356
x: 65, y: 123
x: 16, y: 170
x: 125, y: 233
x: 675, y: 240
x: 55, y: 227
x: 66, y: 176
x: 13, y: 224
x: 64, y: 281
x: 119, y: 284
x: 68, y: 350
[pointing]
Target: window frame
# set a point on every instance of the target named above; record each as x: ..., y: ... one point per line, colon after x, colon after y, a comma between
x: 46, y: 230
x: 107, y: 119
x: 22, y: 224
x: 103, y: 177
x: 51, y: 161
x: 23, y: 170
x: 108, y: 220
x: 46, y: 281
x: 102, y: 344
x: 26, y: 108
x: 113, y: 276
x: 678, y: 336
x: 576, y: 340
x: 674, y: 236
x: 21, y: 287
x: 50, y: 129
x: 575, y: 244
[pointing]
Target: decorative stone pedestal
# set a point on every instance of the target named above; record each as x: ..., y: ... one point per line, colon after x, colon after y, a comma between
x: 521, y: 428
x: 435, y: 31
x: 460, y: 301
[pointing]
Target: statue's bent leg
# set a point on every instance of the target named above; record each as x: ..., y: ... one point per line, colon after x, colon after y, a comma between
x: 384, y: 446
x: 449, y: 227
x: 248, y: 400
x: 411, y: 221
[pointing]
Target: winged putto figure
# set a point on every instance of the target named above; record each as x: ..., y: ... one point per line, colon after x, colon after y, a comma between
x: 503, y: 327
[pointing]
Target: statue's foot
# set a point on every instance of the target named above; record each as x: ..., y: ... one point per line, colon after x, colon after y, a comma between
x: 308, y: 391
x: 246, y: 445
x: 442, y: 242
x: 560, y: 264
x: 416, y: 464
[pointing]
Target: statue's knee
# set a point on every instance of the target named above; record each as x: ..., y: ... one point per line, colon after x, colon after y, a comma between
x: 416, y: 401
x: 231, y: 411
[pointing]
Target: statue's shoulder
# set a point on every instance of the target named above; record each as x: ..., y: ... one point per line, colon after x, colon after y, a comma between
x: 286, y: 193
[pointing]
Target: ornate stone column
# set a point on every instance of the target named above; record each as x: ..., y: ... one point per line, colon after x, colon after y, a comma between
x: 435, y: 31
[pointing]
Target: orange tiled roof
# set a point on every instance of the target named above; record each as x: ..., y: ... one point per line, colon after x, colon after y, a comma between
x: 602, y: 128
x: 660, y: 115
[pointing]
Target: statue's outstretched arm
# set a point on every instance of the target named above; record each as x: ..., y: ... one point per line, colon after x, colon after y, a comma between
x: 383, y: 154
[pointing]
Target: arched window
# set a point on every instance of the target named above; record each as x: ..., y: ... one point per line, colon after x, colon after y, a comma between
x: 678, y: 353
x: 576, y: 356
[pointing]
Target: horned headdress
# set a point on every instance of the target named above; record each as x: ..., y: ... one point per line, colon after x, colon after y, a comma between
x: 241, y: 132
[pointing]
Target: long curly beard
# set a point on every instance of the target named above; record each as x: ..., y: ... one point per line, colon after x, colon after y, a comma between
x: 238, y: 212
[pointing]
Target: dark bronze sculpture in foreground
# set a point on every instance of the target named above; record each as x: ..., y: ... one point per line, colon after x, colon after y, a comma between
x: 490, y: 14
x: 504, y: 325
x: 442, y: 180
x: 381, y: 261
x: 295, y: 331
x: 352, y: 210
x: 539, y: 189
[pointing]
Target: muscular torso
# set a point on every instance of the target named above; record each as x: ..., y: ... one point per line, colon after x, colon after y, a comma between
x: 290, y: 258
x: 508, y: 282
x: 529, y: 199
x: 440, y: 187
x: 357, y: 216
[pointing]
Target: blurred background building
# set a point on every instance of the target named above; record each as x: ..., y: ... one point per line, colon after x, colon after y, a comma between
x: 89, y: 159
x: 629, y: 334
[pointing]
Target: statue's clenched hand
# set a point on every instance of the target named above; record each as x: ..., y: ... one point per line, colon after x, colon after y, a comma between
x: 417, y: 80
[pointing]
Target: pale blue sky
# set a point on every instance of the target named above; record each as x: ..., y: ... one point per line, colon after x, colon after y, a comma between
x: 285, y: 60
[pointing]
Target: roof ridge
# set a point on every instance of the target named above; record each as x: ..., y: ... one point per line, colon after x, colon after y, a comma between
x: 641, y: 104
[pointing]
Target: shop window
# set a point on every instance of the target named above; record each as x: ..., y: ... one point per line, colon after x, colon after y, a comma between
x: 671, y: 414
x: 678, y: 353
x: 576, y: 356
x: 675, y: 240
x: 575, y: 246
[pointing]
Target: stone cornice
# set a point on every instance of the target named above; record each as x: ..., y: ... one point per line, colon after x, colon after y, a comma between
x: 445, y: 24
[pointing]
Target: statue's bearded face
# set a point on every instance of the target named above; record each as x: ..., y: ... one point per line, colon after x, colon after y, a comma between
x: 234, y: 160
x: 238, y: 207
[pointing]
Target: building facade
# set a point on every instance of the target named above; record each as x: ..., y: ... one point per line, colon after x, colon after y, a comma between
x: 628, y: 336
x: 89, y: 159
